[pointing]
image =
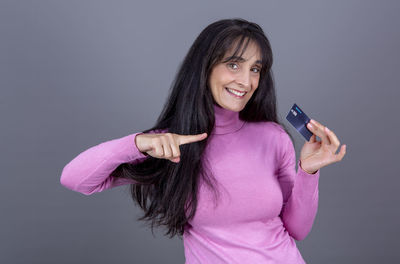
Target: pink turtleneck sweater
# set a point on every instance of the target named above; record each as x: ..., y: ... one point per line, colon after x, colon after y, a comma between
x: 263, y: 206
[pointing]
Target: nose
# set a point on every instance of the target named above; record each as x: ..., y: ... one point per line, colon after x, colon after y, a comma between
x: 243, y: 78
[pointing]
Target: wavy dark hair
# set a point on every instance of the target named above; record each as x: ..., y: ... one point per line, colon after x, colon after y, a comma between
x: 167, y: 191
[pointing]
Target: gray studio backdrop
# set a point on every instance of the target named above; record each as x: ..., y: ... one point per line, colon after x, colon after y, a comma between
x: 74, y: 74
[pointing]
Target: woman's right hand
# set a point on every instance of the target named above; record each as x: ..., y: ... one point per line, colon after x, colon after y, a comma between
x: 165, y: 145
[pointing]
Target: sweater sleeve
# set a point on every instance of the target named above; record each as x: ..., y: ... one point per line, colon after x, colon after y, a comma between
x: 300, y: 192
x: 89, y: 172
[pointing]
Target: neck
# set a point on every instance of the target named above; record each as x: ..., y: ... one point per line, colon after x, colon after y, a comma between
x: 226, y: 121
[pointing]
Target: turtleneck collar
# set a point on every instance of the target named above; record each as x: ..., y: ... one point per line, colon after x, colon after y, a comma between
x: 226, y: 121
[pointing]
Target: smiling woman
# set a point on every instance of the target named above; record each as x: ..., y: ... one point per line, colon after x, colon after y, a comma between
x: 217, y: 167
x: 234, y: 80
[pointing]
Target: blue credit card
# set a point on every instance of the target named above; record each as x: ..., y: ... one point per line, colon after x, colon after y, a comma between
x: 299, y: 120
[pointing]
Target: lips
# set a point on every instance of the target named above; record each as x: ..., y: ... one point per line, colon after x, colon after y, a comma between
x: 237, y: 90
x: 235, y: 95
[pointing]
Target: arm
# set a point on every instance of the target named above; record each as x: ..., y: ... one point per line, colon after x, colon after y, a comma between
x: 89, y: 172
x: 300, y: 192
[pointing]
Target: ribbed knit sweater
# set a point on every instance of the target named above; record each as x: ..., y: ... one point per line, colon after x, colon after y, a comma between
x: 264, y: 205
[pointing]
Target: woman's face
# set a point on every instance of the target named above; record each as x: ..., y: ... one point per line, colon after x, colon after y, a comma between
x: 241, y: 76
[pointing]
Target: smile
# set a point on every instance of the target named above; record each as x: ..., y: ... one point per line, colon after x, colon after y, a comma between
x: 235, y: 93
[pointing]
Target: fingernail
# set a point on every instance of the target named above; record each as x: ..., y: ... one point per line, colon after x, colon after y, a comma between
x: 309, y: 125
x: 327, y: 129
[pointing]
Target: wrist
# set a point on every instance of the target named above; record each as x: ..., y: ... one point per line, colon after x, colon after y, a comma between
x: 309, y: 171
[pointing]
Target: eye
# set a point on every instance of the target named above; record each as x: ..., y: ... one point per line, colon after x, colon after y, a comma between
x: 232, y: 64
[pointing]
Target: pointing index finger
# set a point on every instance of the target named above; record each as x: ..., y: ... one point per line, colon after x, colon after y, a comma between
x: 184, y: 139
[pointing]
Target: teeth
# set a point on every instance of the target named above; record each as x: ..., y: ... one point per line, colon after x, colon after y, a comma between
x: 235, y: 92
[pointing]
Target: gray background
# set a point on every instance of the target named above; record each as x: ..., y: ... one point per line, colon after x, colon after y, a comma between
x: 76, y: 73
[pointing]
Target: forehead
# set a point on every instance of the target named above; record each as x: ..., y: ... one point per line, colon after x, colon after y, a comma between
x: 252, y: 51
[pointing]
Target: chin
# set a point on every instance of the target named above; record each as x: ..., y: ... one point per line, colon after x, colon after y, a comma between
x: 231, y: 106
x: 237, y: 108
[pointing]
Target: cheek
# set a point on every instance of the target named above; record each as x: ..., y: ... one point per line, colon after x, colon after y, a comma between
x: 225, y: 77
x: 255, y: 83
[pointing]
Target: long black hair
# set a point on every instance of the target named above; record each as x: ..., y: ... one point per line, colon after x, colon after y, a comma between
x: 167, y: 191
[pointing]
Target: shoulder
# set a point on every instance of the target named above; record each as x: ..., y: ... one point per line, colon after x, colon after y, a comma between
x: 269, y: 133
x: 272, y: 134
x: 272, y: 140
x: 268, y: 128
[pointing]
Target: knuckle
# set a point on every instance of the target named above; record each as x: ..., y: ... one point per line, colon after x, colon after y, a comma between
x: 160, y: 152
x: 176, y: 153
x: 157, y: 140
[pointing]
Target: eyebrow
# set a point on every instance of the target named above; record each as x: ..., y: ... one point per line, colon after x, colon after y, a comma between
x: 240, y: 59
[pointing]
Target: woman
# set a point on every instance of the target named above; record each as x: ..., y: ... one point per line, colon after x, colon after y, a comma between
x: 217, y: 167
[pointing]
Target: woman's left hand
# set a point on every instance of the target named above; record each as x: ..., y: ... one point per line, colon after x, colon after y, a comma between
x: 317, y: 154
